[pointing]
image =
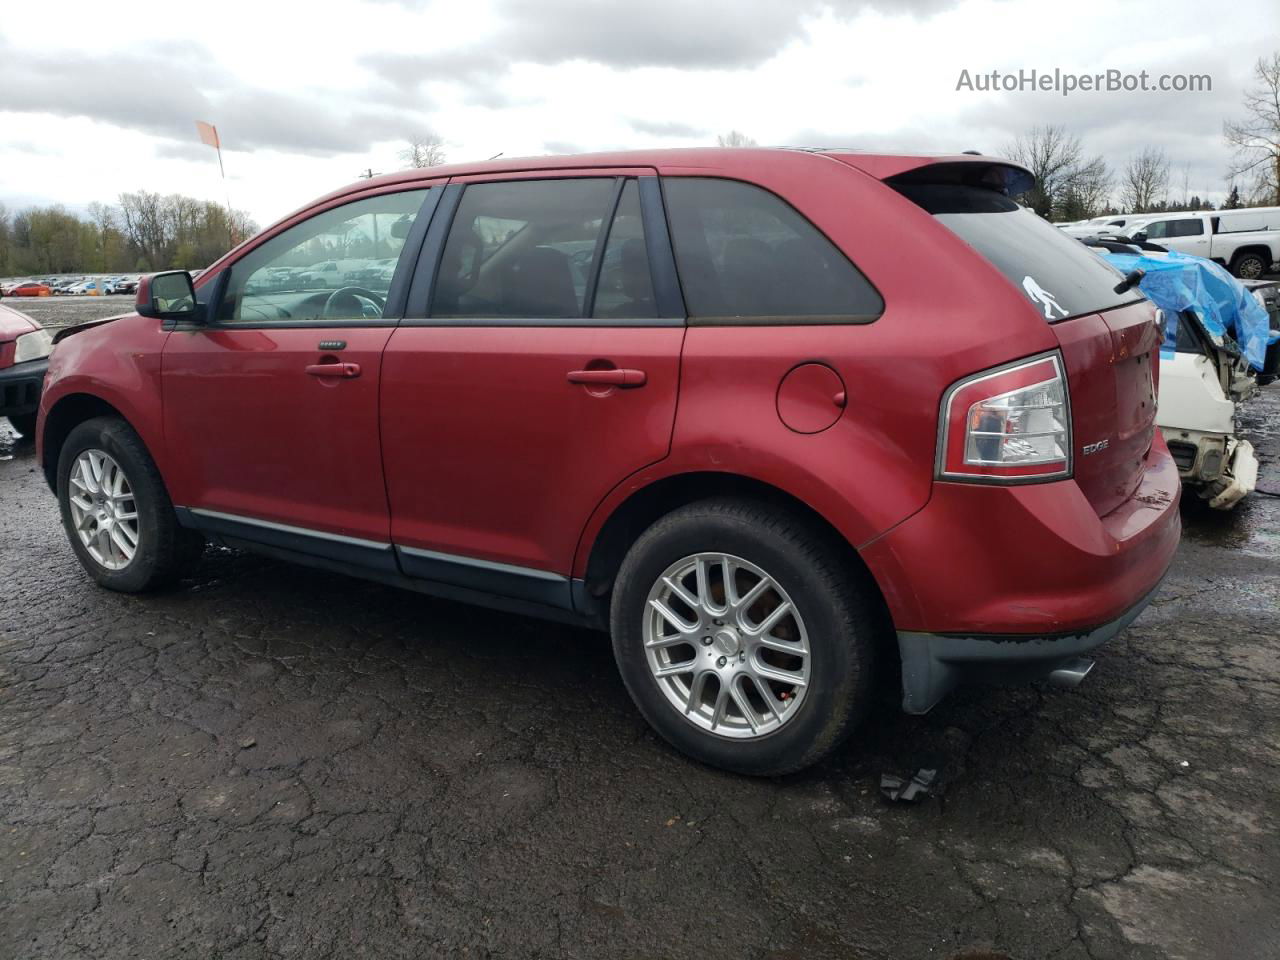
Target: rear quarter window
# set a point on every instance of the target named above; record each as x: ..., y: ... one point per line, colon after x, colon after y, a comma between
x: 742, y: 252
x: 1058, y: 274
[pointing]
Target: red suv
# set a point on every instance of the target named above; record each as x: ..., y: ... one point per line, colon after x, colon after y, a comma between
x: 741, y: 407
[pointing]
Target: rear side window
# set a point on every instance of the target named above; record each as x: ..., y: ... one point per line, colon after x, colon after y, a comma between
x: 1163, y: 229
x: 1057, y: 273
x: 743, y: 252
x: 523, y: 248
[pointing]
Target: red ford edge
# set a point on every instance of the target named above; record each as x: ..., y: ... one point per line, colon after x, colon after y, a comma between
x: 743, y: 408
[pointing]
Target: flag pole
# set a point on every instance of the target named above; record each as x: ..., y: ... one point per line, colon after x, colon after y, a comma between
x: 209, y: 136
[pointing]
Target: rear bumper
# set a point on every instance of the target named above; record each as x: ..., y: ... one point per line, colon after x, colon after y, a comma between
x: 1033, y: 560
x: 20, y: 387
x: 934, y: 664
x: 1020, y: 578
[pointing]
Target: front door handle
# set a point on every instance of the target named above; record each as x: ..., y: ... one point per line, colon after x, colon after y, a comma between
x: 616, y: 377
x: 345, y: 370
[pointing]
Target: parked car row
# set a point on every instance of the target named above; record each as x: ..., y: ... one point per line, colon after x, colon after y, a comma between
x: 371, y: 272
x: 69, y: 286
x: 679, y: 395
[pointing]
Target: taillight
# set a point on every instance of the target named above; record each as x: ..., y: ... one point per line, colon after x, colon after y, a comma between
x: 1008, y: 425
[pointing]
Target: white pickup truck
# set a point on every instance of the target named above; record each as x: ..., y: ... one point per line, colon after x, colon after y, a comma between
x: 1247, y: 241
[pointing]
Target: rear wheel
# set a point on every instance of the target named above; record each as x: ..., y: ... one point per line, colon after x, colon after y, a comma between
x: 1249, y: 266
x: 742, y: 637
x: 116, y: 510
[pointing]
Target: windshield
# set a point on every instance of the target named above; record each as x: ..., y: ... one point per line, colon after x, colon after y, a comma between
x: 1056, y: 272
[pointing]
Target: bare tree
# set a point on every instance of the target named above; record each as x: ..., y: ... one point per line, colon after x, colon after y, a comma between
x: 178, y: 231
x: 735, y: 138
x: 1145, y: 180
x: 424, y: 150
x: 1085, y: 193
x: 1256, y: 139
x: 144, y: 225
x: 1067, y: 183
x: 103, y: 218
x: 4, y: 240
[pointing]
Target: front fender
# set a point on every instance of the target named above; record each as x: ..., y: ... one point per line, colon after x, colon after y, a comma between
x: 117, y: 364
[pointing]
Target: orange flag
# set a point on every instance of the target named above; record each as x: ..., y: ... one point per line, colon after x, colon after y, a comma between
x: 208, y: 134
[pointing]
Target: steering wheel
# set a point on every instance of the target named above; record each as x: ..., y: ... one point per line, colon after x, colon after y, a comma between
x: 354, y: 294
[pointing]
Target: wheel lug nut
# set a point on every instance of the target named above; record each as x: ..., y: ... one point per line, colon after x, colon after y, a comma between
x: 719, y: 623
x: 706, y: 641
x: 720, y: 662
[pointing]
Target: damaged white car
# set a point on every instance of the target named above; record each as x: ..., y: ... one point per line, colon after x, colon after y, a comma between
x: 1220, y: 348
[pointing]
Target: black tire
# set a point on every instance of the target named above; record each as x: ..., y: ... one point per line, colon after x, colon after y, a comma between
x: 1249, y: 266
x: 835, y: 602
x: 165, y: 550
x: 25, y: 424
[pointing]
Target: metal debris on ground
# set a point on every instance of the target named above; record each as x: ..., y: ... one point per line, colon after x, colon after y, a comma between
x: 907, y: 791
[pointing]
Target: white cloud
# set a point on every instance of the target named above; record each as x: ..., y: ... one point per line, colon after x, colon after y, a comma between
x: 307, y: 97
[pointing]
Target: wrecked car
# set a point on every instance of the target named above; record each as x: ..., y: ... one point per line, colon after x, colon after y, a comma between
x: 24, y: 358
x: 1219, y: 349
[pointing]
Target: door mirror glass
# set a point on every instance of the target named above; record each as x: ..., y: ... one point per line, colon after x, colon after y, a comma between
x: 167, y: 296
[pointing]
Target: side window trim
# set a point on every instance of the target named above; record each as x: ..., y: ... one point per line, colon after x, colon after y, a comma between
x: 406, y: 266
x: 657, y: 246
x: 602, y: 244
x: 662, y: 259
x: 396, y: 293
x: 428, y: 264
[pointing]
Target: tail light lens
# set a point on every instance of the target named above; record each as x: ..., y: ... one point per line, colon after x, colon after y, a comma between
x: 1008, y: 425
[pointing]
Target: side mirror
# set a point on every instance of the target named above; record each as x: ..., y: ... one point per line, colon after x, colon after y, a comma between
x: 1140, y: 236
x: 167, y: 296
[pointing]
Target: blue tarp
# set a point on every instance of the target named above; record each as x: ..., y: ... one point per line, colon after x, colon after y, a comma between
x: 1178, y: 281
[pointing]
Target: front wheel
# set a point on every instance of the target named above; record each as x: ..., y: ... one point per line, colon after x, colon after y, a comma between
x: 116, y: 511
x: 743, y: 637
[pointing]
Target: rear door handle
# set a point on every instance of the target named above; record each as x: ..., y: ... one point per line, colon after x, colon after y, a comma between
x: 618, y: 377
x: 344, y: 370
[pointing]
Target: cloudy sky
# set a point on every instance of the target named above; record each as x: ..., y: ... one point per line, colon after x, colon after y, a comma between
x: 98, y: 99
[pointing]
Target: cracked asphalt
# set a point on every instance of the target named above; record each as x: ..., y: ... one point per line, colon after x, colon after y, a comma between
x: 271, y: 761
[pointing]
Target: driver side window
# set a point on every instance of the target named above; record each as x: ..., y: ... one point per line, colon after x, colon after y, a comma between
x: 336, y: 265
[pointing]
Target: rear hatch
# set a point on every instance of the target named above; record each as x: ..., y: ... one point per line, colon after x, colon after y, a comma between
x: 1109, y: 339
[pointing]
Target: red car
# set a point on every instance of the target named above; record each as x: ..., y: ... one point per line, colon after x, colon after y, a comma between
x: 30, y: 289
x: 747, y: 409
x: 24, y: 352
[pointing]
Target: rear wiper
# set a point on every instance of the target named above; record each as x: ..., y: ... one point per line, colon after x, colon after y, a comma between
x: 1131, y: 279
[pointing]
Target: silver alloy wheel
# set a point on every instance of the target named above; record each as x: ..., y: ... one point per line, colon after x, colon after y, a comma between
x: 726, y: 645
x: 103, y: 510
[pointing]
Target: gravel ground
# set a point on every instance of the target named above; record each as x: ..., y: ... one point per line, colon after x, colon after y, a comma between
x: 54, y: 312
x: 271, y: 761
